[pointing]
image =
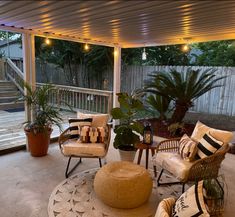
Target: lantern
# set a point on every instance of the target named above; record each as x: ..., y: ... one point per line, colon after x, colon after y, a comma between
x: 148, y: 134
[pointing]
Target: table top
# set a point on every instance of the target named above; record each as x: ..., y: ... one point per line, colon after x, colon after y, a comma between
x: 156, y: 140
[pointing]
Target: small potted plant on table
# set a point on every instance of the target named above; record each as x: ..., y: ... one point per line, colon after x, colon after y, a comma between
x: 129, y: 130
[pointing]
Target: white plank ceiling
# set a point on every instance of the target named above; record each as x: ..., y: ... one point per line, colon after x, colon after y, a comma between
x: 126, y: 23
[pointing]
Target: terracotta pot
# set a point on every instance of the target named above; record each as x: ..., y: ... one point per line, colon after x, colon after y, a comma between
x: 38, y: 142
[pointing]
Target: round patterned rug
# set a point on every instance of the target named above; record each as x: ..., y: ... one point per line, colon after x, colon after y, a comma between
x: 75, y: 197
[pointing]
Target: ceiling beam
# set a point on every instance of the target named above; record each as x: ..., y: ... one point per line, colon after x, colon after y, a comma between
x: 57, y: 36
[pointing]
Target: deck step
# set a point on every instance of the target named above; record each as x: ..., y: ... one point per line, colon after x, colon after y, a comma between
x: 4, y: 99
x: 11, y: 105
x: 9, y: 93
x: 6, y: 83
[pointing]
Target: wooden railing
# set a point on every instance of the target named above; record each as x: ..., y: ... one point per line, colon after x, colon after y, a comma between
x: 78, y: 98
x: 14, y: 74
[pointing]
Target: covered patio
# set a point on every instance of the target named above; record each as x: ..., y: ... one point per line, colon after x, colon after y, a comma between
x: 27, y: 182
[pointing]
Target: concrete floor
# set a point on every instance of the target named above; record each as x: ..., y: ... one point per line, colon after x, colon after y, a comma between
x: 27, y: 182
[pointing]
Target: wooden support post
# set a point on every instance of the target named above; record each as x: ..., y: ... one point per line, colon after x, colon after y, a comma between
x: 29, y: 67
x: 2, y: 71
x: 116, y: 77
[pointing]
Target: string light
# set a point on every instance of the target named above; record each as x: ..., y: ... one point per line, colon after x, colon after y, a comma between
x: 47, y: 41
x: 185, y: 48
x: 115, y: 53
x: 86, y: 47
x: 144, y: 55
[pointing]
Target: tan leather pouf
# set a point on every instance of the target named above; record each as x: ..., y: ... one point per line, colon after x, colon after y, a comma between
x: 123, y: 184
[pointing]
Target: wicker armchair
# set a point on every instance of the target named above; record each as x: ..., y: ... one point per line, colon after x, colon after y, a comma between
x: 191, y: 172
x: 73, y: 148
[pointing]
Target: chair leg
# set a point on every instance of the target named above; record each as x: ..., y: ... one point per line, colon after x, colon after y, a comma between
x: 100, y: 162
x: 67, y: 172
x: 183, y: 187
x: 165, y: 183
x: 159, y: 177
x: 155, y: 171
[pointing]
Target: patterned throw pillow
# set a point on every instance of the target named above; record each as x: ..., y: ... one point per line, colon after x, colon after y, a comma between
x: 208, y: 146
x: 75, y: 124
x: 187, y: 148
x: 92, y: 134
x: 191, y: 203
x: 84, y: 134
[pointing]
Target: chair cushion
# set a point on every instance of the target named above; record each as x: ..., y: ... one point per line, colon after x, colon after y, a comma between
x: 173, y: 163
x: 208, y: 145
x: 76, y: 123
x: 165, y: 207
x: 98, y: 120
x: 74, y: 147
x: 221, y: 135
x: 191, y: 203
x: 187, y: 148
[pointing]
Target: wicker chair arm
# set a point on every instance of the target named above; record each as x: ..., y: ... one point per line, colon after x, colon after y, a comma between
x: 168, y: 145
x: 207, y: 167
x: 64, y: 136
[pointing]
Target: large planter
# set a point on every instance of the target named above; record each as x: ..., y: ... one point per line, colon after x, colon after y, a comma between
x: 38, y: 142
x: 127, y: 155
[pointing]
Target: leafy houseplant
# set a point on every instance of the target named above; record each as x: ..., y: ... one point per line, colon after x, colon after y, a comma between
x: 128, y: 131
x: 38, y: 130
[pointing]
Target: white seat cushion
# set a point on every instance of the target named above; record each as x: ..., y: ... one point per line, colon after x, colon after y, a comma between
x: 160, y: 157
x: 173, y: 163
x: 73, y: 147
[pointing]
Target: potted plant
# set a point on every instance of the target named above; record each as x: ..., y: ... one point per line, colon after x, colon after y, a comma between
x: 39, y: 129
x: 129, y: 130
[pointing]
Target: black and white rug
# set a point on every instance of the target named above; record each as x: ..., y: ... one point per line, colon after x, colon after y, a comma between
x: 75, y: 197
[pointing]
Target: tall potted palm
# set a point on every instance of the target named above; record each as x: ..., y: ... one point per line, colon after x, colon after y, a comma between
x: 39, y: 129
x: 182, y: 88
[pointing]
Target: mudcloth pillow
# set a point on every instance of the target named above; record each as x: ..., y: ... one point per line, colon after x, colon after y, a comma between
x: 187, y: 148
x: 84, y: 134
x: 191, y: 203
x: 208, y: 146
x: 92, y: 134
x: 75, y: 124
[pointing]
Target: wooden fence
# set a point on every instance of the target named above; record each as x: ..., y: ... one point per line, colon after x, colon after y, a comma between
x: 220, y: 100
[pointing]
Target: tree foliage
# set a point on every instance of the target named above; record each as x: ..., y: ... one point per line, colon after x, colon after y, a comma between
x: 70, y: 55
x: 215, y: 53
x: 161, y: 55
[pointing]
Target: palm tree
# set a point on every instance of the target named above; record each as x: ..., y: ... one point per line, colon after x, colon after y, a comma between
x: 182, y: 88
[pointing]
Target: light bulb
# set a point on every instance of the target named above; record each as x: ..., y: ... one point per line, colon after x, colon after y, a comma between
x: 86, y: 47
x: 144, y: 55
x: 47, y: 41
x: 185, y: 48
x: 115, y: 53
